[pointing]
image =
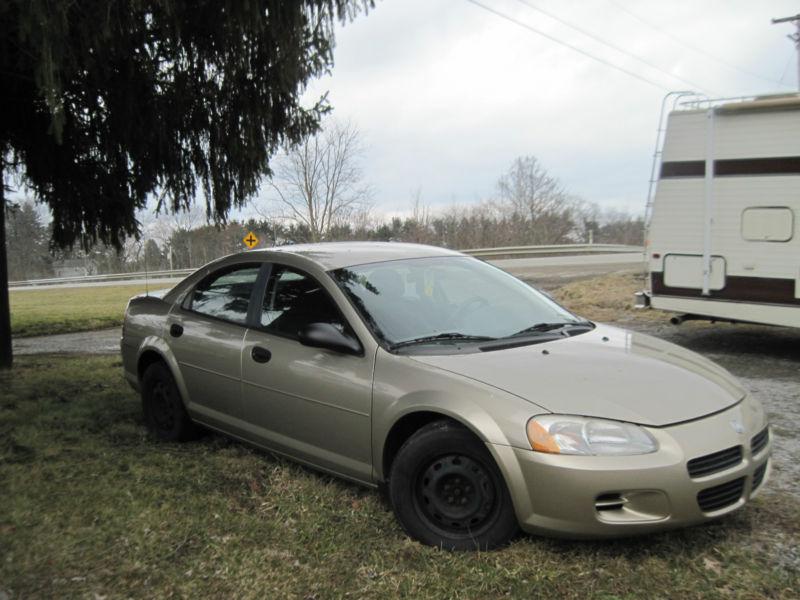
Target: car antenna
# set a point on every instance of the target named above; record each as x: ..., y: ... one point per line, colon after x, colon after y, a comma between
x: 146, y: 282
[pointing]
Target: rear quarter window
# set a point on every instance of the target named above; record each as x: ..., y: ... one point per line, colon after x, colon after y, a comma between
x: 226, y: 294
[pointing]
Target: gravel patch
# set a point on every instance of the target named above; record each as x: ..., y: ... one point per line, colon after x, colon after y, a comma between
x: 104, y: 341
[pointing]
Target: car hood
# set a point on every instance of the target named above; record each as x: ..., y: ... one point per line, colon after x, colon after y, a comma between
x: 609, y: 373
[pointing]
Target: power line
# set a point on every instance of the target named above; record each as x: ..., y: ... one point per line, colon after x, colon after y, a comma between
x: 692, y: 47
x: 589, y: 34
x: 786, y: 68
x: 794, y: 37
x: 570, y: 46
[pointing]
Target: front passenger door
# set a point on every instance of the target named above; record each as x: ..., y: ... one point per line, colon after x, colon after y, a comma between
x: 310, y: 403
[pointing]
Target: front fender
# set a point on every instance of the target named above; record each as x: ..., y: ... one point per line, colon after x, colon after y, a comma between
x: 403, y: 386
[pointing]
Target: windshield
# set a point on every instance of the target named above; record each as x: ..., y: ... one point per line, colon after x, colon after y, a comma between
x: 447, y: 299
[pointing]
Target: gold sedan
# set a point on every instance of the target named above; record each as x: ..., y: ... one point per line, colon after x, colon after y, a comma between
x: 482, y: 405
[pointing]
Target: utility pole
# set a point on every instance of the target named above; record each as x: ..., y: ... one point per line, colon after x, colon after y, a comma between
x: 794, y: 37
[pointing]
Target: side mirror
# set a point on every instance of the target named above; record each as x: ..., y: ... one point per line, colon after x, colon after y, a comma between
x: 325, y: 335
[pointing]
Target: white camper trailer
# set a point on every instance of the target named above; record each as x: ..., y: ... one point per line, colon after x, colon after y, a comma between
x: 723, y: 236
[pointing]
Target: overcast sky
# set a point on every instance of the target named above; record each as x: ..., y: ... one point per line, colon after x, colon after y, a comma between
x: 447, y: 94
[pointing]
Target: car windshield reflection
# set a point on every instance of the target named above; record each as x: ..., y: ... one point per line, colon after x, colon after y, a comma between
x: 448, y: 300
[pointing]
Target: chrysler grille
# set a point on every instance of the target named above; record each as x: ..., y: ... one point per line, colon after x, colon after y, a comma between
x: 720, y: 496
x: 759, y: 441
x: 712, y: 463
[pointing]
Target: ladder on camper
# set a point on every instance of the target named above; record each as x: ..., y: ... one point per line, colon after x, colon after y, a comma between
x: 658, y: 151
x: 655, y: 169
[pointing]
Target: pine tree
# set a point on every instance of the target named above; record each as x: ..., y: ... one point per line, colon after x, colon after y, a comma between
x: 104, y: 104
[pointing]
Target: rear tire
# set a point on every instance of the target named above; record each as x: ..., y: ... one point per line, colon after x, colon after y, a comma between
x: 447, y: 491
x: 164, y: 413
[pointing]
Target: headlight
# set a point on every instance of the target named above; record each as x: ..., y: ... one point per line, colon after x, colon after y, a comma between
x: 559, y: 434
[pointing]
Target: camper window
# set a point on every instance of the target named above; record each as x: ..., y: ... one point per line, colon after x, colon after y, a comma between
x: 768, y: 224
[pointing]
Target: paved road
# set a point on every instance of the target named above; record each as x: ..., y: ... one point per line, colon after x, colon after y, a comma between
x: 571, y: 267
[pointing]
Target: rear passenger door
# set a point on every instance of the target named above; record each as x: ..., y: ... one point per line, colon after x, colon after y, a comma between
x: 205, y: 333
x: 310, y: 403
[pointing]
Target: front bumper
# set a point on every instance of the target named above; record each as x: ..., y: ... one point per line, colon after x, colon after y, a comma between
x: 595, y: 496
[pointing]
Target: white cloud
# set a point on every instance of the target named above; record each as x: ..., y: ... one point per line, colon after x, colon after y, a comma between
x: 447, y: 94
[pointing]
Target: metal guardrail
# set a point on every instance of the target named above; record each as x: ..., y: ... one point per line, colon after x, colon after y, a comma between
x: 111, y: 278
x: 556, y: 249
x: 485, y: 253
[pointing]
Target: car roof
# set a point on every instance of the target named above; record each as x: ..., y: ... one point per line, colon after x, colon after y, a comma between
x: 335, y: 255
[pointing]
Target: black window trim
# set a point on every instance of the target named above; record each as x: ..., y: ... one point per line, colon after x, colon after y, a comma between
x: 362, y: 313
x: 258, y: 301
x: 263, y: 275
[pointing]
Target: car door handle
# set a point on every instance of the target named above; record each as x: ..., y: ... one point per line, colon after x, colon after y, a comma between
x: 176, y: 330
x: 260, y: 355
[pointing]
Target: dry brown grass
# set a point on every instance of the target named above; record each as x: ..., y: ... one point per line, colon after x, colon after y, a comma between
x: 606, y: 298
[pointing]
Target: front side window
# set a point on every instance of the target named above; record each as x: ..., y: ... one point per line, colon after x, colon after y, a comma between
x: 295, y: 299
x: 226, y: 294
x: 450, y: 299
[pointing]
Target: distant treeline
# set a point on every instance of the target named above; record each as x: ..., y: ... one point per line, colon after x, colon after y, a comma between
x: 179, y: 245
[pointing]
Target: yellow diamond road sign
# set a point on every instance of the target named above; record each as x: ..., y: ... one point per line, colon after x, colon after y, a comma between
x: 250, y: 240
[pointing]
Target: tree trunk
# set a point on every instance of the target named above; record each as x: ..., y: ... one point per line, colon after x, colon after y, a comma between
x: 6, y: 357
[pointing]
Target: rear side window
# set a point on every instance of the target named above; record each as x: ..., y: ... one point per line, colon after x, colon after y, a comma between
x: 294, y: 300
x: 226, y: 294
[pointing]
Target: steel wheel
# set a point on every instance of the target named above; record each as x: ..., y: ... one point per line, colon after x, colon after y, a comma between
x: 447, y: 491
x: 456, y: 493
x: 163, y: 407
x: 164, y: 413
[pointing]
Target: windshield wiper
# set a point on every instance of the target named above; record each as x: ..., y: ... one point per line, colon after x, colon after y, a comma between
x: 443, y: 337
x: 543, y: 327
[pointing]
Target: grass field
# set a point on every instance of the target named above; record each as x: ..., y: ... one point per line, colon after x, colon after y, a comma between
x: 46, y: 311
x: 91, y: 507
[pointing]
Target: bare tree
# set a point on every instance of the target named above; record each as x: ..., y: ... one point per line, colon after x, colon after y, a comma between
x: 419, y: 223
x: 537, y: 201
x: 319, y: 182
x: 163, y: 227
x: 362, y: 220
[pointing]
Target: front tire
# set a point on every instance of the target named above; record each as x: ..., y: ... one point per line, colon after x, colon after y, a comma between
x: 164, y: 413
x: 447, y: 491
